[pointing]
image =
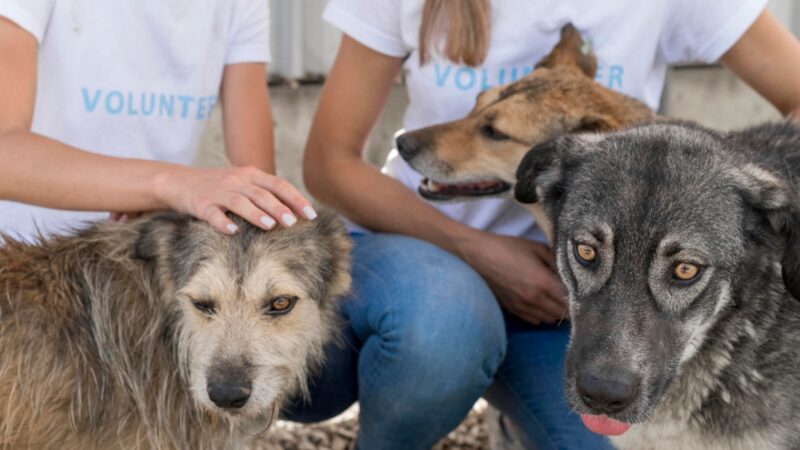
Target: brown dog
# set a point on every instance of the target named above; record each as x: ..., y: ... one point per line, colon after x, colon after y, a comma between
x: 479, y: 154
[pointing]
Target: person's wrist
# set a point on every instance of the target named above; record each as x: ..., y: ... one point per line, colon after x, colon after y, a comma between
x: 161, y: 186
x: 464, y: 241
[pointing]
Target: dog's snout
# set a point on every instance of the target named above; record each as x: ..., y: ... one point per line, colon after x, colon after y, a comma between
x: 230, y: 394
x: 610, y: 392
x: 408, y: 146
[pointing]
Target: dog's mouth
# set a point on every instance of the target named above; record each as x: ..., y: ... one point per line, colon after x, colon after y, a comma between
x: 433, y: 190
x: 602, y: 424
x: 260, y: 424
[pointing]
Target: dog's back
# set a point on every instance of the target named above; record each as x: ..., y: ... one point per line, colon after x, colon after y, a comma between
x: 49, y: 295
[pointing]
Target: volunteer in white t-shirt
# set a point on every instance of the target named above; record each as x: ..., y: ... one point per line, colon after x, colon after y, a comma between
x: 102, y: 105
x: 429, y: 331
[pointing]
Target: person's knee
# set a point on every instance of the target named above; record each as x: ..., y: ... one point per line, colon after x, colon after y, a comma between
x: 443, y: 319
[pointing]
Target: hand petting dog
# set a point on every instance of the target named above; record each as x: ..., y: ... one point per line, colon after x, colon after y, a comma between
x: 521, y: 274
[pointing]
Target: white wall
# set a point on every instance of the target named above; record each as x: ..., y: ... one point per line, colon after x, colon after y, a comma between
x: 303, y: 45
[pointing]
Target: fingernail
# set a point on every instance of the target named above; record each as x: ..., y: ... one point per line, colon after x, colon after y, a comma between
x: 268, y: 221
x: 309, y: 213
x: 288, y: 219
x: 232, y: 228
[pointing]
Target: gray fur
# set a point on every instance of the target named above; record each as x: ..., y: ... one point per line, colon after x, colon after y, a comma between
x: 715, y: 363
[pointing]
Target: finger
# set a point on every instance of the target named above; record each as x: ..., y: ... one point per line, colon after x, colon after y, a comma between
x: 217, y: 218
x: 552, y: 286
x: 548, y: 309
x: 287, y: 194
x: 243, y: 207
x: 529, y: 315
x: 518, y: 307
x: 545, y: 254
x: 270, y: 204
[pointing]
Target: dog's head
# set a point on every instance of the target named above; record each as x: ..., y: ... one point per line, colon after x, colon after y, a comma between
x: 254, y: 309
x: 478, y: 155
x: 657, y: 228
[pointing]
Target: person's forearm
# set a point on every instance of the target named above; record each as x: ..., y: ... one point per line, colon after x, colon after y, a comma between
x: 45, y: 172
x: 247, y: 117
x: 368, y: 197
x: 252, y: 144
x: 767, y: 57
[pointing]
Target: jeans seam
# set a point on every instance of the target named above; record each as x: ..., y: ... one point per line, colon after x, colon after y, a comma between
x: 375, y: 368
x: 532, y: 416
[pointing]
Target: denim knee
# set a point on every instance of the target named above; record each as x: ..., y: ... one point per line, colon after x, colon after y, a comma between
x: 440, y: 320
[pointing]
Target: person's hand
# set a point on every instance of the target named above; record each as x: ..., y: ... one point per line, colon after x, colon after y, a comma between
x: 207, y: 194
x: 521, y: 274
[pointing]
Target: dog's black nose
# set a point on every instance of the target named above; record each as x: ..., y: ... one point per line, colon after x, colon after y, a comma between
x: 611, y: 393
x: 230, y: 395
x: 408, y: 146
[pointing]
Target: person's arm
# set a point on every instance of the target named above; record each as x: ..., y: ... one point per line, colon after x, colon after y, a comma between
x: 248, y: 132
x: 247, y: 116
x: 45, y: 172
x: 767, y: 57
x: 334, y: 171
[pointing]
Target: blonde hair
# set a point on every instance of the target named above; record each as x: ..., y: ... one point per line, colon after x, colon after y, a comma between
x: 465, y: 24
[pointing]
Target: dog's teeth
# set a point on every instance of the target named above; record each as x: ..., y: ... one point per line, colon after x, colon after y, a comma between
x: 433, y: 187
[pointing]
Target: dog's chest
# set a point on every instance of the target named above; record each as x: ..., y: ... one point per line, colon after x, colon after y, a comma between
x: 661, y: 436
x: 702, y: 395
x: 677, y: 436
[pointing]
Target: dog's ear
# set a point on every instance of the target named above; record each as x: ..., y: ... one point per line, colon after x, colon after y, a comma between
x: 335, y: 267
x: 540, y: 172
x: 154, y: 235
x: 597, y: 123
x: 772, y: 197
x: 571, y: 51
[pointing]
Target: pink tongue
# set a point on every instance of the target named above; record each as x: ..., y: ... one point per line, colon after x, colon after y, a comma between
x: 604, y: 425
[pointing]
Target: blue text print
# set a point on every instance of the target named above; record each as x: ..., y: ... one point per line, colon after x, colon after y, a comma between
x: 469, y: 78
x: 129, y: 103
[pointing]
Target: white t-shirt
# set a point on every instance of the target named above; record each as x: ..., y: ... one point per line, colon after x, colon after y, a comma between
x: 634, y: 40
x: 129, y: 78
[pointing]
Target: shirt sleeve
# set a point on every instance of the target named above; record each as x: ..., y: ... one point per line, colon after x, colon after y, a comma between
x: 250, y: 33
x: 32, y: 15
x: 373, y: 23
x: 704, y: 30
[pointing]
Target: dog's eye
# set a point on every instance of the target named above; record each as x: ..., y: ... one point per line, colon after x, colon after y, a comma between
x: 685, y: 272
x: 585, y: 254
x: 490, y: 132
x: 205, y: 306
x: 280, y: 305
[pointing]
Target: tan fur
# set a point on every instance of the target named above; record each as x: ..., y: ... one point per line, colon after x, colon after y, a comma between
x: 103, y: 349
x: 559, y: 96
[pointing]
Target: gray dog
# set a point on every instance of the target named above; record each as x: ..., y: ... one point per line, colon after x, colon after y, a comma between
x: 679, y: 248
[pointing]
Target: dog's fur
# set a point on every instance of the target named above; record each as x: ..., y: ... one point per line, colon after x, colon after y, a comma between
x: 104, y: 347
x: 479, y: 154
x: 713, y: 363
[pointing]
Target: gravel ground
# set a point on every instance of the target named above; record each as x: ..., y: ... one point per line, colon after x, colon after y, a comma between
x: 338, y: 433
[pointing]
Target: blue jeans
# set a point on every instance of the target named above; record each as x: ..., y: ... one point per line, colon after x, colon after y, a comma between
x: 425, y: 339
